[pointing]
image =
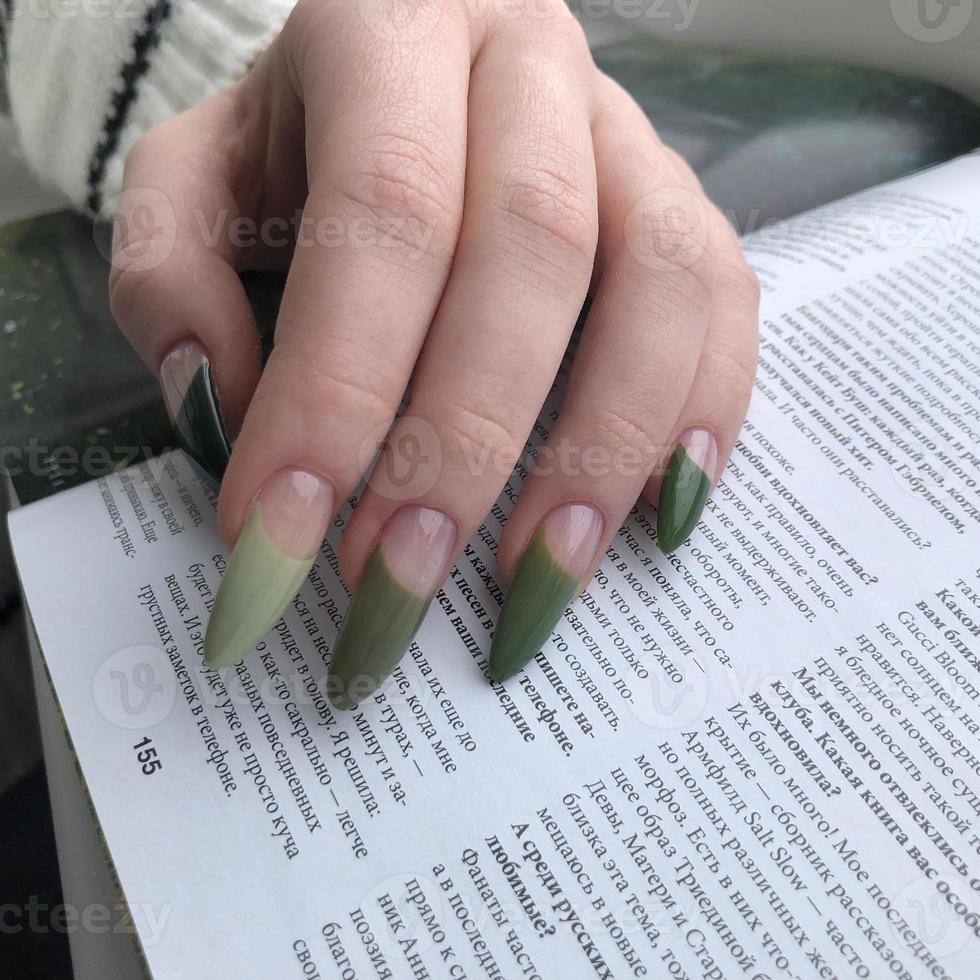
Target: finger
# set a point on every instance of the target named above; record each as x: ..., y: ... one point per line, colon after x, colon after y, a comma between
x: 633, y: 370
x: 386, y: 162
x: 175, y: 291
x: 520, y: 275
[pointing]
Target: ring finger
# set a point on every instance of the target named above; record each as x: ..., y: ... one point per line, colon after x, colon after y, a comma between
x: 661, y: 246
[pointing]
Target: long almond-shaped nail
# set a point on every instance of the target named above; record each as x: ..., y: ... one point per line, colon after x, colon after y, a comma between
x: 685, y: 487
x: 547, y: 578
x: 403, y: 574
x: 192, y: 403
x: 275, y: 551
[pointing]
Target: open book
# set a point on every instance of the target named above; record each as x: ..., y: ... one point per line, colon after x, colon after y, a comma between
x: 758, y: 757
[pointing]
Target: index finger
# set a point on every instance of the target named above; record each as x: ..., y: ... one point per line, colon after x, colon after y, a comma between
x: 386, y: 162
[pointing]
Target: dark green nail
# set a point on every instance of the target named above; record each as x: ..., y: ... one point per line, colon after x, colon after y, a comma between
x: 685, y: 487
x: 402, y: 576
x: 192, y: 402
x: 547, y: 578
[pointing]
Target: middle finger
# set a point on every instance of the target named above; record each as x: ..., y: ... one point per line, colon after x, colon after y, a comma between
x: 519, y: 279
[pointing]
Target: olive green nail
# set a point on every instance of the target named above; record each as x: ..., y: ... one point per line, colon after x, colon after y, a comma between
x: 559, y: 554
x: 402, y: 575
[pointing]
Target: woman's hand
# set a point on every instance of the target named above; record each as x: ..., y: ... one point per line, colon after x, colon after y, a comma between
x: 463, y: 172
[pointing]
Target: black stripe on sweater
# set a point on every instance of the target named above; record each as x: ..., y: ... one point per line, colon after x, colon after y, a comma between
x: 145, y: 41
x: 6, y: 15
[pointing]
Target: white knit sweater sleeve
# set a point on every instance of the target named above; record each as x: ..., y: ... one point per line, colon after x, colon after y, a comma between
x: 86, y: 78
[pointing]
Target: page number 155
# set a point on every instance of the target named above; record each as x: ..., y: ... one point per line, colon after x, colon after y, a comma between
x: 146, y: 756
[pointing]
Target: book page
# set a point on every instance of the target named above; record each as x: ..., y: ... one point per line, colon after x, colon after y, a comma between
x: 756, y: 757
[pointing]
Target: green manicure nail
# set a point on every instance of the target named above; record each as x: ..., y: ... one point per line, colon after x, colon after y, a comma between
x: 402, y: 576
x: 685, y: 488
x: 258, y: 584
x: 538, y: 596
x: 199, y: 427
x: 192, y: 402
x: 381, y: 622
x: 547, y: 578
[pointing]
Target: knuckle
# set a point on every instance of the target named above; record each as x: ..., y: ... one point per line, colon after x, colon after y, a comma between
x: 472, y: 432
x: 668, y: 233
x: 405, y: 188
x: 680, y: 297
x: 730, y: 363
x: 691, y: 255
x: 694, y: 285
x: 543, y: 212
x: 339, y: 387
x: 740, y: 281
x: 626, y: 426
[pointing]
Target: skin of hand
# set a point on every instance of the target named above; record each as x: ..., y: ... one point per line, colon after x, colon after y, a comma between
x: 446, y: 183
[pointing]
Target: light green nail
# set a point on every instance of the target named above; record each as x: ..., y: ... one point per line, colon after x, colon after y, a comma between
x: 258, y: 584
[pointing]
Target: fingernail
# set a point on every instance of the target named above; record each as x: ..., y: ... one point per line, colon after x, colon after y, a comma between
x: 685, y: 487
x: 275, y: 551
x: 557, y: 557
x: 403, y: 574
x: 192, y: 403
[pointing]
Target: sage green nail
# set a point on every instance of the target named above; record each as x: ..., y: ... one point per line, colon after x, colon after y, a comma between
x: 272, y: 557
x: 402, y: 575
x: 547, y: 578
x: 685, y: 488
